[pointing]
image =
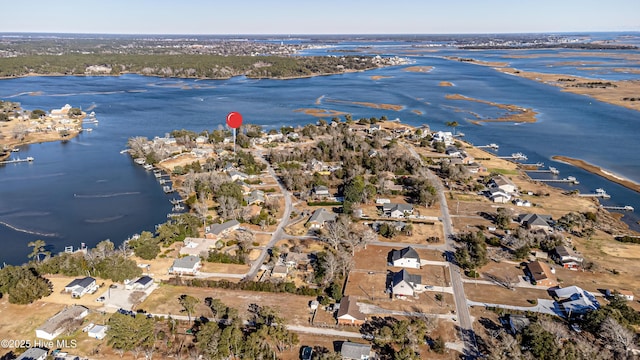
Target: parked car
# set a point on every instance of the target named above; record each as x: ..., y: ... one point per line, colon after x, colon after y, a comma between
x: 306, y: 352
x: 100, y: 299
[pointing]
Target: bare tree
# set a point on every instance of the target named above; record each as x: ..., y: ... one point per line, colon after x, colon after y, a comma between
x: 619, y: 337
x: 229, y: 206
x: 335, y: 232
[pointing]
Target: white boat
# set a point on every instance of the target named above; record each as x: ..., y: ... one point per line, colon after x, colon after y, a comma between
x: 140, y: 161
x: 15, y: 149
x: 148, y: 166
x: 29, y: 158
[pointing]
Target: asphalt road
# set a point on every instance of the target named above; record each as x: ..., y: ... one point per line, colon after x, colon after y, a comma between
x: 279, y: 233
x: 462, y: 309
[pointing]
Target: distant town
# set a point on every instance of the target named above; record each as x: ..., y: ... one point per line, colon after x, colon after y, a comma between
x: 393, y: 241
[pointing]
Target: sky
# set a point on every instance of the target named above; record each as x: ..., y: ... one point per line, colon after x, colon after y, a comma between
x: 319, y: 17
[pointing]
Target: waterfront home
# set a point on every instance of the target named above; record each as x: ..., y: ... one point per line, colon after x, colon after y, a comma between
x: 356, y: 351
x: 319, y: 218
x: 396, y: 210
x: 405, y: 284
x: 407, y: 258
x: 61, y: 322
x: 567, y: 258
x: 443, y: 136
x: 215, y: 231
x: 188, y: 265
x: 80, y: 287
x: 349, y: 312
x: 535, y: 221
x: 503, y: 183
x: 540, y: 274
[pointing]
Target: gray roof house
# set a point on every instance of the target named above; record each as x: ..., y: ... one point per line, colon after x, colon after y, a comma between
x: 407, y: 257
x: 405, y: 284
x: 396, y: 210
x: 34, y: 353
x: 319, y: 217
x: 185, y: 265
x: 254, y: 197
x: 59, y: 322
x: 79, y: 287
x: 221, y: 229
x: 535, y: 221
x: 355, y: 351
x: 144, y: 282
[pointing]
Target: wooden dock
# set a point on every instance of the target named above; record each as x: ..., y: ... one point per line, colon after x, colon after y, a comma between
x: 569, y: 180
x: 600, y: 193
x: 18, y: 160
x: 550, y: 170
x: 623, y: 208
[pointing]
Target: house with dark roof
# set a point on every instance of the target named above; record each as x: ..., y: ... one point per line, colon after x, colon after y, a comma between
x: 356, y: 351
x: 349, y: 312
x: 535, y: 221
x: 80, y: 287
x: 405, y: 284
x: 540, y: 274
x: 142, y: 283
x: 188, y: 265
x: 407, y: 258
x: 320, y: 217
x: 255, y: 197
x: 498, y: 195
x: 61, y: 322
x: 567, y: 258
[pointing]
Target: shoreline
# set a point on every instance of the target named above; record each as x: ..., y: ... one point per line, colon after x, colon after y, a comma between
x: 593, y: 169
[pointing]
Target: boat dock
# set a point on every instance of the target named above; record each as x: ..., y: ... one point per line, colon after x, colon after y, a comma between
x: 551, y: 170
x: 623, y: 208
x: 514, y: 156
x: 167, y: 189
x: 600, y: 193
x: 536, y: 165
x: 491, y: 146
x: 568, y: 179
x: 18, y: 160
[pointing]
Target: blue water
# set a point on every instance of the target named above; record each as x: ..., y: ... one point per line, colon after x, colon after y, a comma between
x: 85, y: 191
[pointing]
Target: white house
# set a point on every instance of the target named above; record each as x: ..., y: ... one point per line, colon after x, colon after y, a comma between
x: 443, y: 136
x: 320, y: 217
x: 405, y: 284
x: 59, y: 322
x: 356, y: 351
x: 98, y: 332
x: 188, y: 265
x: 503, y: 183
x: 407, y: 258
x: 321, y: 191
x: 498, y: 195
x: 143, y: 283
x: 79, y: 287
x: 395, y: 210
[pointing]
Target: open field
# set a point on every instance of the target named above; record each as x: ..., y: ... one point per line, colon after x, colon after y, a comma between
x: 493, y: 294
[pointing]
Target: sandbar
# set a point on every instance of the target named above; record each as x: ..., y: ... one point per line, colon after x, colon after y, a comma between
x: 598, y: 171
x: 445, y: 83
x: 420, y: 69
x: 368, y: 104
x: 378, y: 77
x: 320, y: 112
x: 516, y: 114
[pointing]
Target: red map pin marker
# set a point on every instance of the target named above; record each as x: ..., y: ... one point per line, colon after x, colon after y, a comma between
x: 234, y: 120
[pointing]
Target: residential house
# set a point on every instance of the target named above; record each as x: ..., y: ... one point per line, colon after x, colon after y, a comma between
x: 503, y: 183
x: 60, y: 322
x: 142, y: 283
x: 279, y: 271
x: 374, y: 127
x: 80, y: 287
x: 576, y: 301
x: 565, y: 257
x: 321, y: 191
x: 475, y: 167
x: 356, y: 351
x: 34, y: 353
x: 453, y: 151
x: 237, y: 175
x: 217, y: 230
x: 498, y: 195
x: 396, y: 210
x: 407, y: 258
x: 294, y: 259
x: 517, y: 323
x: 535, y: 221
x: 540, y: 274
x: 255, y: 197
x: 188, y: 265
x: 349, y: 312
x: 98, y: 332
x: 443, y: 136
x: 320, y: 217
x: 405, y: 284
x: 315, y: 165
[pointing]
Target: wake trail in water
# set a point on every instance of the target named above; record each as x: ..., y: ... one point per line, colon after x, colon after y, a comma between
x: 26, y: 231
x: 31, y: 177
x: 105, y: 195
x: 104, y: 220
x: 90, y: 93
